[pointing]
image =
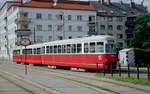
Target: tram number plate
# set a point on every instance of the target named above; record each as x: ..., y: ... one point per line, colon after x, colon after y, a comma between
x: 100, y: 57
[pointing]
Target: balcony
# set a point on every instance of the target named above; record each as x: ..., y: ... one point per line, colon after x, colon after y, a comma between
x: 92, y: 23
x: 23, y: 20
x: 130, y: 23
x: 92, y: 32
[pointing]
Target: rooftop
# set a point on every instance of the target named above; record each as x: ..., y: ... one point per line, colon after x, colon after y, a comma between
x: 61, y: 4
x: 116, y: 9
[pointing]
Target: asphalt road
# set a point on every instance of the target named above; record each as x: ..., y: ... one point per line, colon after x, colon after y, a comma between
x: 68, y: 82
x: 10, y: 85
x: 57, y: 84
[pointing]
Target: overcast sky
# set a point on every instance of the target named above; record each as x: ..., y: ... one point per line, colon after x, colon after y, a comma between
x: 146, y: 3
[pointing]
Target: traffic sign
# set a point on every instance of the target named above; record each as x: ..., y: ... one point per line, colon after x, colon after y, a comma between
x: 25, y: 41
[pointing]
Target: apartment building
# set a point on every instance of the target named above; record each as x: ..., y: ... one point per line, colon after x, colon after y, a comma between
x: 45, y: 19
x: 116, y: 19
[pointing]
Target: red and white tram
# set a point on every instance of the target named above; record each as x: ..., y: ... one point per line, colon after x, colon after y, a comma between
x: 77, y: 53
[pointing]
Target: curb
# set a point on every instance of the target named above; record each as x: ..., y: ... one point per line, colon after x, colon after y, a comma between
x: 126, y: 84
x: 47, y: 90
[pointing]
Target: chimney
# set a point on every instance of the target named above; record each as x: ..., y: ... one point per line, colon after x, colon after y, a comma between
x: 121, y: 3
x: 102, y: 2
x: 132, y: 4
x: 142, y: 3
x: 108, y: 2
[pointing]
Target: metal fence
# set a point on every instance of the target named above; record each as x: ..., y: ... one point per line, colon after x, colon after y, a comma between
x: 129, y: 71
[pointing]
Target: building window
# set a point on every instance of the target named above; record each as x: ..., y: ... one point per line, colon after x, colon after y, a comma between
x: 39, y: 38
x: 49, y: 27
x: 69, y: 17
x: 59, y: 27
x: 49, y: 16
x: 70, y: 28
x: 59, y: 17
x: 119, y: 36
x: 91, y: 19
x: 120, y: 44
x: 110, y: 19
x: 39, y: 28
x: 70, y: 37
x: 92, y: 28
x: 103, y: 18
x: 38, y: 16
x: 49, y: 38
x: 119, y: 19
x: 79, y: 18
x: 60, y: 37
x: 102, y: 27
x: 79, y: 28
x: 119, y: 27
x: 110, y: 27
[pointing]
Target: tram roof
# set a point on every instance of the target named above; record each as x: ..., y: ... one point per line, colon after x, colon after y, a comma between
x: 75, y: 40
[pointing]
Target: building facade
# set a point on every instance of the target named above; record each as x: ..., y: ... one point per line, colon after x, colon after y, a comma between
x: 116, y: 19
x: 46, y: 19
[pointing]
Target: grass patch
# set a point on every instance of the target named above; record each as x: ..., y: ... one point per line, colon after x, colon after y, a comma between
x: 132, y: 79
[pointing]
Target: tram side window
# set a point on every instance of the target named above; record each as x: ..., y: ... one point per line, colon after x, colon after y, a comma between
x: 30, y: 51
x: 38, y: 51
x: 74, y: 46
x: 34, y: 50
x: 92, y: 47
x: 59, y: 48
x: 100, y: 47
x: 86, y: 48
x: 79, y: 49
x: 26, y: 51
x: 23, y: 51
x: 64, y: 48
x: 43, y: 50
x: 51, y: 49
x: 14, y: 52
x: 55, y: 49
x: 18, y: 52
x: 110, y: 48
x: 47, y: 49
x: 68, y: 48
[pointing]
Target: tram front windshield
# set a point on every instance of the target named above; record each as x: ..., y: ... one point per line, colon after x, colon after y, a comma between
x: 110, y: 48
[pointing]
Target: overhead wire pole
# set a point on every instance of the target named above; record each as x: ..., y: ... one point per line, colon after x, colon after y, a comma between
x: 6, y: 29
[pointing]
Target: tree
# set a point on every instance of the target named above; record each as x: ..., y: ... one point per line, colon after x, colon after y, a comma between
x: 141, y: 36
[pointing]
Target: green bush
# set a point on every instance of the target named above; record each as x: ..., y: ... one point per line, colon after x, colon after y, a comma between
x: 142, y: 57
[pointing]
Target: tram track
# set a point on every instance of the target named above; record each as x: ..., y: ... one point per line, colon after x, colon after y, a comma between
x: 67, y: 74
x: 16, y: 84
x: 87, y: 85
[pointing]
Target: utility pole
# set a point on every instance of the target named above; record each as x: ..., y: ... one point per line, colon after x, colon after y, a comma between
x: 6, y: 29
